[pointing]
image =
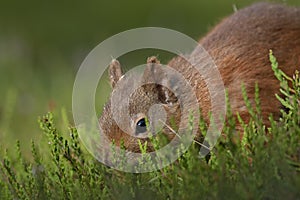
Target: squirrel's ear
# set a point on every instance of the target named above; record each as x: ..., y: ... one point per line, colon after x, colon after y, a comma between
x: 154, y: 73
x: 150, y: 73
x: 114, y: 72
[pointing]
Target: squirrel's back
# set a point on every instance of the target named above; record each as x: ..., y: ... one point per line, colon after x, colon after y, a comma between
x: 240, y: 45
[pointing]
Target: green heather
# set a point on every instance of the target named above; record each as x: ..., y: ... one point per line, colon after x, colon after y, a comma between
x: 264, y: 164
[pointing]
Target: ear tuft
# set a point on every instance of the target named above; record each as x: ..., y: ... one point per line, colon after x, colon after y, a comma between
x: 153, y: 60
x: 114, y: 72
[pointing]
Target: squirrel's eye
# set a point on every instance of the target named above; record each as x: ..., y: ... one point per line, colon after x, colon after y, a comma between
x: 141, y: 126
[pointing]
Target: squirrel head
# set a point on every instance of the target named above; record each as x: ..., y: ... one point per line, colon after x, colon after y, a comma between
x: 152, y: 108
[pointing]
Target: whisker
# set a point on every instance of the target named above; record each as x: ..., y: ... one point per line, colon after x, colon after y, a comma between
x: 173, y: 131
x: 206, y: 147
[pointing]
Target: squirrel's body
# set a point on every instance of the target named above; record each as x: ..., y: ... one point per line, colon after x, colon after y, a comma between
x: 239, y: 46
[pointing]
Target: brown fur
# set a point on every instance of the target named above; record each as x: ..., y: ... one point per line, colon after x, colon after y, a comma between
x: 239, y: 46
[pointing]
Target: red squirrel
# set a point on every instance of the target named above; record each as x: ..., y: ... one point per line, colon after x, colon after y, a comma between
x: 239, y: 46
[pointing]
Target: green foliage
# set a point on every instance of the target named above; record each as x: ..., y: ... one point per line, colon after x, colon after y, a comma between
x: 263, y: 164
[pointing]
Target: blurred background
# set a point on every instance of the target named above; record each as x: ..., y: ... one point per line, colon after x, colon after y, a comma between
x: 42, y: 44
